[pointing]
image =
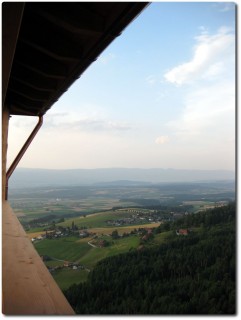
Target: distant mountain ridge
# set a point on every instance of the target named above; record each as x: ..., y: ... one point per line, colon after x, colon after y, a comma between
x: 26, y: 177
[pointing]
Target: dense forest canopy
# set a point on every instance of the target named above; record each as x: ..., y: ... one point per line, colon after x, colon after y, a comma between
x: 192, y: 274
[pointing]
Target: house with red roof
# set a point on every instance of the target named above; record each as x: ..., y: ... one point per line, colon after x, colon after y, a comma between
x: 182, y: 232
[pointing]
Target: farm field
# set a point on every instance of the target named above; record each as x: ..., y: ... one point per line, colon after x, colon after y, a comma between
x: 77, y: 250
x: 98, y: 212
x: 65, y: 278
x: 86, y: 255
x: 122, y: 230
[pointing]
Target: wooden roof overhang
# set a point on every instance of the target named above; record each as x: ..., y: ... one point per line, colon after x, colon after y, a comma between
x: 45, y: 48
x: 48, y: 45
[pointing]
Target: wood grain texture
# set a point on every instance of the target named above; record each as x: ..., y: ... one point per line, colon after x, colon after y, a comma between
x: 5, y: 123
x: 27, y: 286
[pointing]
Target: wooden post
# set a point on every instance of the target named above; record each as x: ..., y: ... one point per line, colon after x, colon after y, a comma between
x: 5, y: 122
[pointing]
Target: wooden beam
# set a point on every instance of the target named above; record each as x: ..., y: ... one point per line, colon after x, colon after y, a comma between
x: 5, y: 122
x: 35, y: 60
x: 11, y: 21
x: 79, y: 19
x: 25, y: 102
x: 28, y: 287
x: 31, y: 85
x: 55, y: 49
x: 34, y: 78
x: 22, y: 110
x: 43, y: 72
x: 28, y: 94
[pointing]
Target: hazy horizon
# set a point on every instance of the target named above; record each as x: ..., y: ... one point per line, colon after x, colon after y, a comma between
x: 130, y: 168
x: 28, y: 177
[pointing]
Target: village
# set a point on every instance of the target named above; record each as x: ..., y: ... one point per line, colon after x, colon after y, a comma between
x: 144, y: 216
x: 59, y: 232
x: 96, y: 241
x: 137, y: 217
x: 145, y: 235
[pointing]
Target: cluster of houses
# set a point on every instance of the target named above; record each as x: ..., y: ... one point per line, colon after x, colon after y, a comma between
x: 68, y: 265
x: 121, y: 222
x: 183, y: 232
x: 61, y: 232
x: 135, y: 219
x: 144, y: 216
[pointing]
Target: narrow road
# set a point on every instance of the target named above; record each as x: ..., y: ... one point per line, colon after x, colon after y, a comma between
x: 57, y: 259
x: 92, y: 245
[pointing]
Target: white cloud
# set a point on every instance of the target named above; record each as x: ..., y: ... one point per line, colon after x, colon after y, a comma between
x: 209, y: 55
x: 204, y: 127
x: 203, y: 30
x: 227, y: 6
x: 151, y: 79
x: 23, y: 122
x: 209, y: 111
x: 86, y: 124
x: 91, y: 124
x: 209, y: 106
x: 162, y: 140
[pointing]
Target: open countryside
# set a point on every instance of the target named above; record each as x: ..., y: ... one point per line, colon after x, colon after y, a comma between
x: 74, y: 228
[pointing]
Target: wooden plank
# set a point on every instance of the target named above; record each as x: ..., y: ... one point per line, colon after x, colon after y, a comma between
x: 5, y: 122
x: 28, y: 287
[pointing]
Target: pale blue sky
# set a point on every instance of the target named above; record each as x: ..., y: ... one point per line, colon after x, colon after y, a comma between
x: 161, y: 95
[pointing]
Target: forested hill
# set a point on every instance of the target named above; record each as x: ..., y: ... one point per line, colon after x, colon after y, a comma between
x: 192, y: 274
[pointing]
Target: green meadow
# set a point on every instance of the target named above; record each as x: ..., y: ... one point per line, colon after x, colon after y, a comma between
x: 90, y: 208
x: 96, y: 219
x: 68, y: 248
x: 115, y: 247
x: 67, y: 277
x: 73, y: 249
